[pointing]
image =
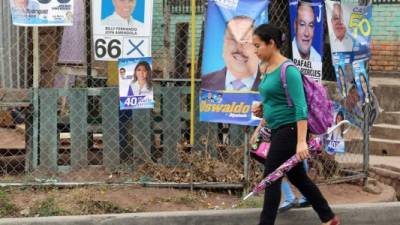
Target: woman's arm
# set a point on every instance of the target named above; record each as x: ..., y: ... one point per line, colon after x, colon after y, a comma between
x: 302, y: 147
x: 296, y: 93
x: 254, y: 136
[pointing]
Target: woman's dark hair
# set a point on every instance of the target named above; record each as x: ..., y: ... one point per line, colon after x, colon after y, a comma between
x: 148, y: 69
x: 340, y: 113
x: 268, y: 32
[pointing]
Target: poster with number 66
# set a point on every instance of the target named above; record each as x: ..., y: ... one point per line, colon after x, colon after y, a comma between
x: 122, y: 29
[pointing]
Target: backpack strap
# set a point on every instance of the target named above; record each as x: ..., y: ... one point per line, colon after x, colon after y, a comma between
x: 284, y: 67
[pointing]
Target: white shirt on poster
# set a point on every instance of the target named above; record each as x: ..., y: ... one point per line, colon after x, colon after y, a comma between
x: 116, y: 20
x: 137, y: 91
x: 344, y: 45
x: 314, y: 55
x: 248, y: 82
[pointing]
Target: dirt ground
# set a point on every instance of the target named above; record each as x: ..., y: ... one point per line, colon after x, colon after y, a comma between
x: 12, y: 138
x: 105, y: 199
x: 43, y: 201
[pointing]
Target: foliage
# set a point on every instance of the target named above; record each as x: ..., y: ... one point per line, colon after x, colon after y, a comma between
x: 7, y: 208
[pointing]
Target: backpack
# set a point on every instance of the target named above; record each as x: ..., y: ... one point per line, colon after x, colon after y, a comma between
x: 320, y: 108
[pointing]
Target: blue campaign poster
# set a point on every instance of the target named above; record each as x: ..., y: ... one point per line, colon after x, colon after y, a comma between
x: 230, y: 65
x: 362, y: 81
x: 349, y: 29
x: 232, y: 108
x: 307, y: 36
x: 42, y: 13
x: 135, y: 83
x: 334, y: 142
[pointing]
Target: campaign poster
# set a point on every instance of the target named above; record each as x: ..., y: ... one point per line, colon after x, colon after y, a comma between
x: 349, y: 28
x: 342, y: 80
x: 365, y: 93
x: 230, y: 65
x: 122, y: 29
x: 135, y: 83
x: 307, y: 36
x: 362, y: 82
x: 36, y: 13
x: 334, y: 142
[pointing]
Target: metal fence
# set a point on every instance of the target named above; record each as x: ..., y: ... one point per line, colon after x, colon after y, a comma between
x: 70, y: 128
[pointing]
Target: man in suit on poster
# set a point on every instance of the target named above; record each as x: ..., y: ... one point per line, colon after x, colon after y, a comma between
x: 241, y: 63
x: 304, y: 27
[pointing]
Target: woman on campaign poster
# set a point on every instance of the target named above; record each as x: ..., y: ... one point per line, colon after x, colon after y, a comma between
x: 141, y: 83
x: 135, y: 83
x: 335, y: 142
x: 362, y: 82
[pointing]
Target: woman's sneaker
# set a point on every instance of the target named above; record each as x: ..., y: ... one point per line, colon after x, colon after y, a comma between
x: 286, y: 205
x: 303, y: 202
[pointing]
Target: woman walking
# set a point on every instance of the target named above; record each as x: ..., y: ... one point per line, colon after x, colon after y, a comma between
x: 288, y: 125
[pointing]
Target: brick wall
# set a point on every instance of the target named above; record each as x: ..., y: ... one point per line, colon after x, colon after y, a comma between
x: 385, y: 38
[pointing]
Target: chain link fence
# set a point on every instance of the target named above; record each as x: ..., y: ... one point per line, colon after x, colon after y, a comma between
x: 71, y: 130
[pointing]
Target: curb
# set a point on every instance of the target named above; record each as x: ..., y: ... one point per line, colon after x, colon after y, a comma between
x: 355, y: 214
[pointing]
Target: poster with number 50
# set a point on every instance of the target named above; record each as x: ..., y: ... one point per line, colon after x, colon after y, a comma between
x: 122, y: 28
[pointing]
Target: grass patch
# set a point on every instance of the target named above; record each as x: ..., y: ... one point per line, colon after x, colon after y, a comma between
x: 47, y: 207
x: 253, y: 202
x: 101, y: 207
x: 187, y: 199
x: 7, y: 208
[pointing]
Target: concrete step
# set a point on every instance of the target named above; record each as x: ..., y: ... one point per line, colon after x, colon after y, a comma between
x: 380, y: 146
x: 377, y: 146
x: 387, y: 96
x: 382, y: 80
x: 385, y: 172
x: 389, y: 167
x: 386, y: 131
x: 389, y: 117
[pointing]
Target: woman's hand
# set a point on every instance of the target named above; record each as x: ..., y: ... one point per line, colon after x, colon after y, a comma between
x: 302, y: 152
x: 253, y: 139
x: 257, y: 109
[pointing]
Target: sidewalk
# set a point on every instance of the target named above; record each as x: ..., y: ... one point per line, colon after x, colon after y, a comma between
x: 355, y: 214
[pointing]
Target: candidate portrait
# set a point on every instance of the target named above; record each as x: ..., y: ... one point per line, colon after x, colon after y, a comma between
x: 364, y: 86
x: 122, y: 14
x: 21, y: 7
x: 340, y: 40
x: 240, y: 72
x: 304, y: 27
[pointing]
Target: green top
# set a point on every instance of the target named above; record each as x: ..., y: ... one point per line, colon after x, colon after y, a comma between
x: 275, y: 106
